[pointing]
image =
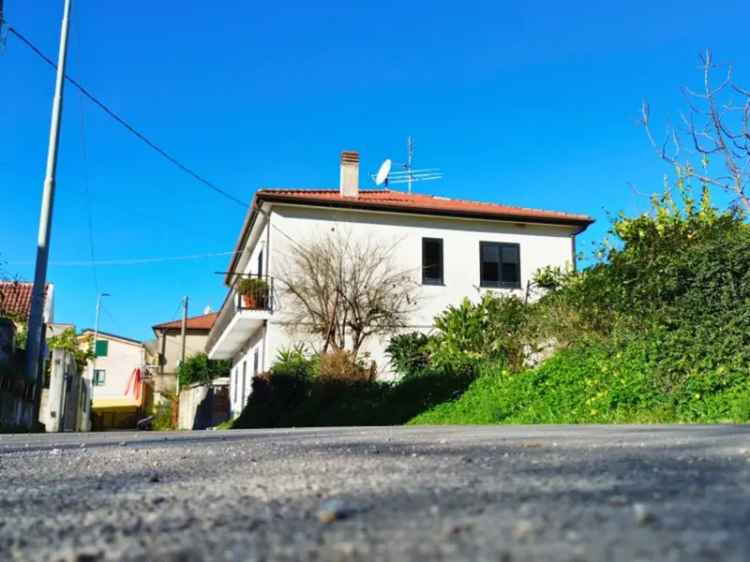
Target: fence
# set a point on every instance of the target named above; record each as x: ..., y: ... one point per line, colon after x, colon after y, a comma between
x: 16, y: 392
x: 204, y: 405
x: 66, y: 403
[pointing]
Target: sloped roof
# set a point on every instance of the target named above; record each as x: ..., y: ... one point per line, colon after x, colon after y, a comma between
x: 202, y: 322
x: 402, y: 202
x: 389, y: 200
x: 15, y: 298
x: 108, y: 335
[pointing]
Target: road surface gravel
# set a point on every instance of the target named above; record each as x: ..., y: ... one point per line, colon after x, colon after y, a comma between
x: 498, y: 494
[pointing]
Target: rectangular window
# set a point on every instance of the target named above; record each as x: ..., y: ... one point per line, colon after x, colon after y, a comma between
x: 244, y: 376
x: 256, y: 362
x: 432, y: 261
x: 99, y: 377
x: 260, y: 263
x: 102, y: 348
x: 500, y: 265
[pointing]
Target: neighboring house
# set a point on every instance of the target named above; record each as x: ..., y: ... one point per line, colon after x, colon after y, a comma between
x: 57, y: 328
x: 15, y: 302
x: 168, y: 347
x: 456, y: 249
x: 116, y: 375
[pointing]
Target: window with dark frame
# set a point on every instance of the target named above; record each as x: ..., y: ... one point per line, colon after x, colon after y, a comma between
x: 99, y: 377
x: 244, y: 381
x: 500, y: 265
x: 260, y: 263
x: 432, y: 261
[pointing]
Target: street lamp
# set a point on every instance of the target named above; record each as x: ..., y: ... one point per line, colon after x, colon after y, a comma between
x: 96, y: 335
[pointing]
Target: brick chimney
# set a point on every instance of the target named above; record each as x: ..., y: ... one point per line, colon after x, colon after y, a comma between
x: 349, y: 186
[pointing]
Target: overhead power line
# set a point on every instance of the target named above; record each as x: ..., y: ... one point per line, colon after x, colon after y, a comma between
x: 131, y: 261
x: 153, y: 146
x: 127, y: 125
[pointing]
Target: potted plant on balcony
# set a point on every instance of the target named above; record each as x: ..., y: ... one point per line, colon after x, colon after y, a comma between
x: 254, y: 292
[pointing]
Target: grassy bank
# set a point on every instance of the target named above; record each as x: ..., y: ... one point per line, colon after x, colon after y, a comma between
x: 589, y: 385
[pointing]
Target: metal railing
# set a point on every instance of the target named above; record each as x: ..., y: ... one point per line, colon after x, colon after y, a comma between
x: 258, y: 295
x: 254, y: 292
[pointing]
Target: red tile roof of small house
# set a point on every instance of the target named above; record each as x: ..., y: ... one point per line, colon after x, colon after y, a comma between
x: 202, y: 322
x: 15, y: 298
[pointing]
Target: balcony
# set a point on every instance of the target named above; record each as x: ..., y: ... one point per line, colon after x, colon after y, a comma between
x: 249, y: 303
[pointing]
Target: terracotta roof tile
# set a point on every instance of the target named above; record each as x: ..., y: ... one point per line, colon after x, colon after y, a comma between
x: 420, y: 203
x: 15, y: 298
x: 401, y: 202
x: 202, y: 322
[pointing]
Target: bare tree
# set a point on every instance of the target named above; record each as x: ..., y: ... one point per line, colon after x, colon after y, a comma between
x: 717, y: 124
x: 346, y: 290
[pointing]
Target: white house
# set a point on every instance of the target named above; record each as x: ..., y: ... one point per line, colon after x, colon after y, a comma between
x: 116, y: 378
x: 455, y: 248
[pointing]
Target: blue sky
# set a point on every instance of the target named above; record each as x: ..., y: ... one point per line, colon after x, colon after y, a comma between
x: 523, y: 103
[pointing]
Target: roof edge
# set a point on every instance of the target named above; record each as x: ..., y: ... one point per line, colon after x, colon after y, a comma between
x: 582, y: 221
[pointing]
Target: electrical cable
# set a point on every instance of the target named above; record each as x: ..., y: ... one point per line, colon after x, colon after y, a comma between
x: 141, y: 136
x: 127, y: 125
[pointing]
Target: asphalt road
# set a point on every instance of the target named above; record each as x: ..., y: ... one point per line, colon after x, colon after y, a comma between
x: 500, y: 494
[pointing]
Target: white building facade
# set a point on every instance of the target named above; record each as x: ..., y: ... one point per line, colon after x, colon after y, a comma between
x: 116, y: 380
x: 454, y: 248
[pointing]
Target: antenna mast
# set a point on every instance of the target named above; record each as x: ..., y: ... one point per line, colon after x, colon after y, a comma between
x: 407, y: 174
x: 410, y: 159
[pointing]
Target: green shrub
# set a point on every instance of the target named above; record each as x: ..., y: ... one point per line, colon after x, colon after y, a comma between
x: 200, y: 369
x: 494, y: 329
x: 291, y: 398
x: 294, y: 362
x: 680, y: 274
x: 163, y: 414
x: 80, y: 348
x: 409, y: 353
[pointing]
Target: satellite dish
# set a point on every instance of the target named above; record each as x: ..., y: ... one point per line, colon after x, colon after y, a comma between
x: 385, y: 169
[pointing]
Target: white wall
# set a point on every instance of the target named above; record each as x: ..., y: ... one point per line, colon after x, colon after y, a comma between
x: 121, y: 359
x: 245, y: 359
x: 540, y: 245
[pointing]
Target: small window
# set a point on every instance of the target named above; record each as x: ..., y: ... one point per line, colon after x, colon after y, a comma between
x: 500, y: 265
x: 102, y: 348
x: 99, y: 377
x: 260, y: 263
x: 432, y: 261
x: 256, y: 362
x: 244, y: 382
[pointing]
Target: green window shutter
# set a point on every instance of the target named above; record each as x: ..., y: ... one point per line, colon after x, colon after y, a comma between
x: 102, y: 348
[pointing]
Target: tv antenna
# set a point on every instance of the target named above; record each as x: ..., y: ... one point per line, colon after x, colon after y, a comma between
x: 408, y: 174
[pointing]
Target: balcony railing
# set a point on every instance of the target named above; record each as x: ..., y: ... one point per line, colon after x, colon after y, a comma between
x: 249, y: 292
x: 254, y: 292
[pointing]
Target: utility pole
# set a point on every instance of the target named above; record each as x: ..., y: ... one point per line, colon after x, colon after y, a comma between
x: 183, y: 330
x: 35, y: 326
